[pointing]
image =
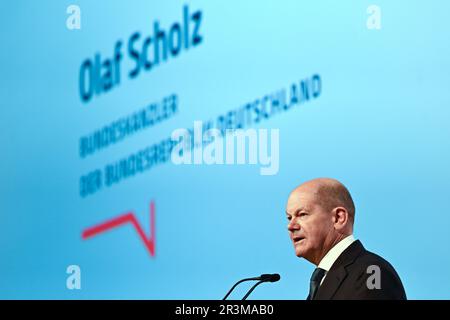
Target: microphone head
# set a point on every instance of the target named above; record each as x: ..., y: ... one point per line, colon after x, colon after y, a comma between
x: 270, y: 277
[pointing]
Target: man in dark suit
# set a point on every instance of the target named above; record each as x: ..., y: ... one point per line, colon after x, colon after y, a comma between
x: 321, y: 214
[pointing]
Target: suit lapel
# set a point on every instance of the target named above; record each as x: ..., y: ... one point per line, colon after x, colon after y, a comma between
x: 337, y: 273
x: 331, y: 283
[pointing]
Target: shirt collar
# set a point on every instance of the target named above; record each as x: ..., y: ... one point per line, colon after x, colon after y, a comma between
x: 334, y: 253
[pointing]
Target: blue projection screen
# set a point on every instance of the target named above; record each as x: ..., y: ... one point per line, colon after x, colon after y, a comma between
x: 94, y: 92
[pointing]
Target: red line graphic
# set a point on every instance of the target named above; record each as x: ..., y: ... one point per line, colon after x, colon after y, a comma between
x: 124, y: 219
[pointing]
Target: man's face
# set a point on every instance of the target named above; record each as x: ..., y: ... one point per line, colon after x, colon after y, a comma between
x: 309, y: 224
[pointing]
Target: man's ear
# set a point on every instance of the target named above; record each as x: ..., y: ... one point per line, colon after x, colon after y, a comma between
x: 341, y: 218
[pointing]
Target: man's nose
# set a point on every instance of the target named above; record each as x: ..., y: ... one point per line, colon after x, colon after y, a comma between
x: 293, y: 225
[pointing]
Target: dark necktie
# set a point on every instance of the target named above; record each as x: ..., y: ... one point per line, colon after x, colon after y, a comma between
x: 316, y: 278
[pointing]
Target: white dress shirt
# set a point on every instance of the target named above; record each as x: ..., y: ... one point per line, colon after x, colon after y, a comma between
x: 329, y: 259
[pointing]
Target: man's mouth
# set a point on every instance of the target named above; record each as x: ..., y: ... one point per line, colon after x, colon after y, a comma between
x: 297, y: 239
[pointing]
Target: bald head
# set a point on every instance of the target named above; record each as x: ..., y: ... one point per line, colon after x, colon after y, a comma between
x: 329, y: 193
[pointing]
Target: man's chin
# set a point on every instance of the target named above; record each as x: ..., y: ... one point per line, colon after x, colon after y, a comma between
x: 299, y: 253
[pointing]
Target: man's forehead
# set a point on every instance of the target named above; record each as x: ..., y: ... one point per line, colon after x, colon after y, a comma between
x: 301, y: 194
x: 299, y: 201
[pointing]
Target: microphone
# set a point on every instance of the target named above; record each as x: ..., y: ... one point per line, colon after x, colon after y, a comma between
x: 263, y: 278
x: 274, y: 277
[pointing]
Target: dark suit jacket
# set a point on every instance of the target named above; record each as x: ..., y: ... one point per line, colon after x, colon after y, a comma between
x: 347, y: 277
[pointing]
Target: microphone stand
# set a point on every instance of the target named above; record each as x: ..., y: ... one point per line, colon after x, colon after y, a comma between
x: 253, y: 288
x: 240, y: 281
